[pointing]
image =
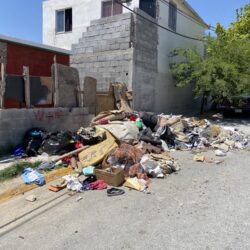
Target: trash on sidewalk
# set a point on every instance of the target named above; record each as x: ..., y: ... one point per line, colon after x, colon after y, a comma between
x: 202, y: 158
x: 137, y: 184
x: 219, y: 153
x: 88, y: 171
x: 125, y: 146
x: 199, y: 158
x: 32, y: 176
x: 96, y: 153
x: 112, y: 176
x: 56, y: 188
x: 115, y: 192
x: 30, y: 198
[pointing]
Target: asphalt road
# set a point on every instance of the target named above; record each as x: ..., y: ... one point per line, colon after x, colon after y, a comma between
x: 204, y: 206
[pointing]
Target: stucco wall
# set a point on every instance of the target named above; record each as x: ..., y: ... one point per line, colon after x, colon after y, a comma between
x: 83, y: 12
x: 15, y: 122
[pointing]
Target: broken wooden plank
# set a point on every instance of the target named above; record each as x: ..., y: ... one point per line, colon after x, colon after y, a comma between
x: 2, y: 85
x: 26, y: 77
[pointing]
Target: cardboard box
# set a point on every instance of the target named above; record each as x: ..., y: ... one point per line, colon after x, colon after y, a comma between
x: 114, y: 178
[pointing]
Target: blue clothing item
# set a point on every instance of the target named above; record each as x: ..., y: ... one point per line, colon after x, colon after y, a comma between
x: 32, y: 176
x: 19, y: 151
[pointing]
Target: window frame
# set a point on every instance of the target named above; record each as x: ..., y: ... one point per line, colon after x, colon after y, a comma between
x: 112, y: 8
x: 64, y: 24
x: 172, y: 24
x: 152, y: 12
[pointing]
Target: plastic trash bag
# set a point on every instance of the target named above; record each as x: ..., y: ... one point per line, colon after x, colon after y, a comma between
x: 151, y: 166
x: 32, y: 176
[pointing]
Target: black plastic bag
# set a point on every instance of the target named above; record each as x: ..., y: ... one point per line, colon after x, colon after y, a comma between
x: 58, y: 143
x: 32, y: 140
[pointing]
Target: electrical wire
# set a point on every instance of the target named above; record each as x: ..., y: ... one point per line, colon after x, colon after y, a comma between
x: 183, y: 13
x: 171, y: 31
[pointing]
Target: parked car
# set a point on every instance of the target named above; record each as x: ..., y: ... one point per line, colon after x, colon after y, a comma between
x: 238, y: 105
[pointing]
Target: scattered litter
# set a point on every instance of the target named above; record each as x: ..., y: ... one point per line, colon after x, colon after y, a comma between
x: 137, y: 184
x: 151, y: 166
x: 200, y: 158
x: 98, y: 185
x: 125, y: 147
x: 46, y: 166
x: 112, y: 176
x: 58, y: 187
x: 32, y: 176
x: 218, y: 116
x: 219, y: 162
x: 88, y: 171
x: 30, y: 198
x: 115, y: 192
x: 79, y: 198
x: 219, y: 153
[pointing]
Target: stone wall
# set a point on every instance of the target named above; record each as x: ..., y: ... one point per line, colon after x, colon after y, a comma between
x: 104, y: 51
x: 14, y: 122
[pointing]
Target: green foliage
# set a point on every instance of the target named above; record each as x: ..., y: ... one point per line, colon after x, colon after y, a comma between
x: 225, y: 70
x: 16, y: 170
x: 241, y: 28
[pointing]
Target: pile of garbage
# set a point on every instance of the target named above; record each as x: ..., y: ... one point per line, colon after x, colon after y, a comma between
x: 126, y: 147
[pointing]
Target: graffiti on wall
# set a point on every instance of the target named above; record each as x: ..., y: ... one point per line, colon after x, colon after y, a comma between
x: 47, y: 115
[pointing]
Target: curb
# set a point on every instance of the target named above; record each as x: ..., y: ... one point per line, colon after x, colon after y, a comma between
x: 23, y: 188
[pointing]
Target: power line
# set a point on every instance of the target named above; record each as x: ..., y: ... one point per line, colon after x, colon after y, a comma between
x: 182, y: 13
x: 179, y: 34
x: 212, y: 28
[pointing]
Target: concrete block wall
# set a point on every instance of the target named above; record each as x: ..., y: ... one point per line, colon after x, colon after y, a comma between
x: 104, y: 51
x: 145, y: 62
x: 68, y: 82
x: 15, y: 122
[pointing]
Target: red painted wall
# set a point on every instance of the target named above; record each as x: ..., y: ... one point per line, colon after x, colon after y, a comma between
x: 38, y: 60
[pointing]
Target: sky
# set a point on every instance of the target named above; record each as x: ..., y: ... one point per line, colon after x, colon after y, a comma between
x: 23, y: 18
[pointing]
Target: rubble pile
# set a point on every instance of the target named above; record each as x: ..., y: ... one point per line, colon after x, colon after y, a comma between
x: 127, y: 147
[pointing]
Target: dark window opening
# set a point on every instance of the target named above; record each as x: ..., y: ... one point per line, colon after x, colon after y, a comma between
x: 172, y: 18
x: 111, y: 8
x: 68, y: 20
x: 64, y: 20
x: 148, y: 6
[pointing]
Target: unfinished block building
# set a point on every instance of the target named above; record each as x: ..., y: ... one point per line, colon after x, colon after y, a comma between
x: 113, y: 44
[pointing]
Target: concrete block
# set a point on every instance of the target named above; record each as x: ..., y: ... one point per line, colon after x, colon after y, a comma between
x: 89, y: 49
x: 124, y: 46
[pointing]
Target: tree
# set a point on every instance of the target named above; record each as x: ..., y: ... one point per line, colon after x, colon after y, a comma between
x: 224, y: 71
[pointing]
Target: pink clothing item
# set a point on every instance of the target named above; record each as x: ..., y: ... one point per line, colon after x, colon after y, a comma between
x: 98, y: 185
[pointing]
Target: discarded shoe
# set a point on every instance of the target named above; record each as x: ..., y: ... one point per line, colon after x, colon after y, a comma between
x: 115, y: 192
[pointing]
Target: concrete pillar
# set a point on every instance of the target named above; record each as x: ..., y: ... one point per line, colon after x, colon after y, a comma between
x: 90, y: 94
